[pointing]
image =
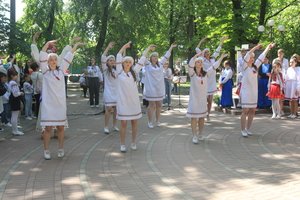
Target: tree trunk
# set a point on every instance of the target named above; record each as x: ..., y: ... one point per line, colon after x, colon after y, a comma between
x: 12, y: 32
x: 49, y: 30
x: 238, y: 29
x: 171, y: 33
x: 262, y: 11
x: 190, y: 28
x: 103, y: 29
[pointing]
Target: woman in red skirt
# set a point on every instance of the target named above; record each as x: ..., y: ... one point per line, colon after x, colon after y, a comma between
x: 275, y: 87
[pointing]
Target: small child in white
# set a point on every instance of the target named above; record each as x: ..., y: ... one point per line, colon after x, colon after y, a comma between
x: 14, y: 100
x: 28, y: 90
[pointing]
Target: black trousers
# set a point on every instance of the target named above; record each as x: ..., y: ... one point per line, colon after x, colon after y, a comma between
x: 94, y: 87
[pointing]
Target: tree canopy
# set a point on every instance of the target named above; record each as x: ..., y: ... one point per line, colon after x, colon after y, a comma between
x: 161, y: 22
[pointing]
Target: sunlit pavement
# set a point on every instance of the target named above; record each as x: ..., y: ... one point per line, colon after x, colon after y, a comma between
x: 166, y: 165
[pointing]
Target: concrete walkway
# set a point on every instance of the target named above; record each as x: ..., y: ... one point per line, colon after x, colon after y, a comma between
x: 166, y: 165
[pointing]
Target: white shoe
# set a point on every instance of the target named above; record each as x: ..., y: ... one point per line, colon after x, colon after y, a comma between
x: 106, y: 130
x: 116, y: 129
x: 60, y: 153
x: 290, y: 116
x: 158, y: 124
x: 195, y: 140
x: 244, y: 133
x: 8, y: 124
x: 201, y: 138
x: 278, y: 117
x: 47, y: 155
x: 18, y: 133
x: 92, y: 106
x: 33, y: 117
x: 150, y: 125
x: 97, y: 106
x: 123, y: 148
x: 293, y: 116
x: 248, y: 132
x: 208, y: 118
x: 273, y: 116
x: 28, y: 118
x: 133, y: 146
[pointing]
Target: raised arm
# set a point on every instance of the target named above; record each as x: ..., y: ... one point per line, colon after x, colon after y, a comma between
x: 64, y: 52
x: 167, y: 54
x: 119, y: 58
x: 262, y: 56
x: 68, y: 48
x: 104, y: 54
x: 248, y: 54
x: 201, y: 42
x: 34, y: 49
x: 141, y: 62
x: 67, y: 59
x: 192, y: 64
x: 43, y: 58
x: 218, y: 62
x: 218, y: 50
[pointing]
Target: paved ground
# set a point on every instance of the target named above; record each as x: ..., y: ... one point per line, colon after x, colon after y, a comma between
x: 166, y: 165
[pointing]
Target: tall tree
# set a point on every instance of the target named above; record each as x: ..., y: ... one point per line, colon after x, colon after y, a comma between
x: 12, y: 32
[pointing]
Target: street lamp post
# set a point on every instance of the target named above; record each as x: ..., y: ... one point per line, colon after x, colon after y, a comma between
x: 271, y: 24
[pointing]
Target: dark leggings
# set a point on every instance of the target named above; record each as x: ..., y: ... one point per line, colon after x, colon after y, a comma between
x: 94, y: 86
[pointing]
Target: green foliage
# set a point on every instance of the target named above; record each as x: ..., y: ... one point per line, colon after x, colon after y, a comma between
x: 18, y: 41
x: 156, y: 22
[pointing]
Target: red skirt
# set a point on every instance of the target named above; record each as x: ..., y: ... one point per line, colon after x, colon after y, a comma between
x: 274, y: 92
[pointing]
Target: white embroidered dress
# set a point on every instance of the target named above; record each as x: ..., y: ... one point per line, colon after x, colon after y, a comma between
x: 154, y: 89
x: 53, y: 105
x: 197, y: 107
x: 110, y: 84
x: 211, y: 74
x: 249, y: 89
x: 128, y: 101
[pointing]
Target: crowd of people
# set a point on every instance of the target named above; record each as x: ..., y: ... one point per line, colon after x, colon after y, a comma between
x: 259, y: 84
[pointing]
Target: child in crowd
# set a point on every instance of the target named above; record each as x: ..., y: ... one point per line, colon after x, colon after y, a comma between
x: 28, y: 90
x: 14, y: 100
x: 83, y: 81
x: 275, y: 87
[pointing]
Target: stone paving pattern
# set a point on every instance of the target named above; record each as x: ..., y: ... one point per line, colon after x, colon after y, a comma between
x: 166, y: 165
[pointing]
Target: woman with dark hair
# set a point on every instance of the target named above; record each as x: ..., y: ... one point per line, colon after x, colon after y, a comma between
x: 197, y: 107
x: 263, y: 79
x: 94, y: 78
x: 226, y: 84
x: 128, y: 102
x: 154, y: 90
x: 209, y: 61
x: 110, y: 85
x: 249, y: 89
